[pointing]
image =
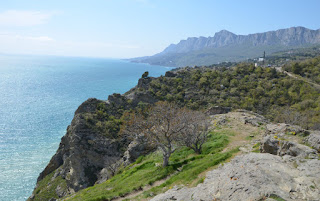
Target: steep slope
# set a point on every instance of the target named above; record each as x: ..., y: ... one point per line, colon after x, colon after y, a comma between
x: 227, y: 46
x: 92, y: 149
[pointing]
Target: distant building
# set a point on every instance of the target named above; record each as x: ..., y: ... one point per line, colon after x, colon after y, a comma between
x: 261, y: 59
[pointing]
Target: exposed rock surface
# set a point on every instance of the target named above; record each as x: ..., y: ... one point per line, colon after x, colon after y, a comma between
x: 282, y: 147
x: 82, y: 152
x: 291, y: 36
x: 252, y: 118
x: 282, y: 129
x: 227, y: 46
x: 314, y: 140
x: 286, y: 170
x: 255, y: 177
x: 86, y: 155
x: 137, y: 148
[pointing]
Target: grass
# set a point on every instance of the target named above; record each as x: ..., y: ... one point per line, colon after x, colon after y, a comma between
x: 47, y: 187
x: 184, y: 168
x: 252, y: 135
x: 256, y: 148
x: 276, y: 197
x: 191, y: 171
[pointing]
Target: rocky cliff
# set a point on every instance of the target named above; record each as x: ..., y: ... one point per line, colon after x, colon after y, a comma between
x: 227, y: 46
x: 92, y: 149
x: 293, y: 36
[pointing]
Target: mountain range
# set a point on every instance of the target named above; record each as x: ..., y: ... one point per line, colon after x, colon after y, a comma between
x: 227, y: 46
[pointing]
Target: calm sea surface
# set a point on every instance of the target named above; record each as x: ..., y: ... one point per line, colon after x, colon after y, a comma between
x: 38, y: 97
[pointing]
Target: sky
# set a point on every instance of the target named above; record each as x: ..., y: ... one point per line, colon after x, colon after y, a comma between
x: 132, y: 28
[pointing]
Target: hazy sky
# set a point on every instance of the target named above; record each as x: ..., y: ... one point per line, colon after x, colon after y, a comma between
x: 130, y: 28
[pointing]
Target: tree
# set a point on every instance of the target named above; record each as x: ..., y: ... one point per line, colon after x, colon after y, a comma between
x: 161, y: 125
x: 196, y: 133
x: 297, y: 68
x: 145, y: 74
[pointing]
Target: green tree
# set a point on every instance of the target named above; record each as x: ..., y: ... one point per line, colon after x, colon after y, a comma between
x: 145, y: 74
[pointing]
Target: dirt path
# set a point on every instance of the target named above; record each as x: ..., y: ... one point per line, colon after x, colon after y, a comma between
x: 298, y: 77
x: 243, y: 133
x: 139, y: 192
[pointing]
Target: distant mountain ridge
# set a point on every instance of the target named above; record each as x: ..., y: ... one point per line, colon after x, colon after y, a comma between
x: 227, y: 46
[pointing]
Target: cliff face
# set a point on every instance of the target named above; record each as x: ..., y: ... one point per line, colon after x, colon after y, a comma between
x: 82, y: 153
x: 294, y: 36
x: 227, y: 46
x: 89, y: 153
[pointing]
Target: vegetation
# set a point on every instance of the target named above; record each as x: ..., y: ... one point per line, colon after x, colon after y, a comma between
x: 196, y: 133
x: 46, y: 188
x: 258, y: 89
x: 165, y: 125
x: 263, y: 90
x: 145, y: 74
x: 293, y: 55
x: 309, y: 68
x: 184, y: 168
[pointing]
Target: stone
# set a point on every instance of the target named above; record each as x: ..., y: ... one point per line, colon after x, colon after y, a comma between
x: 138, y: 147
x: 254, y: 176
x: 314, y: 140
x: 269, y: 145
x: 281, y: 147
x: 282, y: 128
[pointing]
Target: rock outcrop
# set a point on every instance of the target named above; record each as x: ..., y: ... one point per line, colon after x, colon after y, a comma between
x: 282, y: 147
x: 314, y: 140
x: 255, y: 177
x: 83, y: 152
x: 89, y: 153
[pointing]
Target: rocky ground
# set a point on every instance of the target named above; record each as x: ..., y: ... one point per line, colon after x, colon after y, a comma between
x: 288, y: 167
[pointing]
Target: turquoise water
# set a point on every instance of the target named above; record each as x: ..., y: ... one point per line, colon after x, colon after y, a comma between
x: 38, y: 98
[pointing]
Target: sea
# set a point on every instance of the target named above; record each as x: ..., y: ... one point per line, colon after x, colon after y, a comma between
x: 38, y: 98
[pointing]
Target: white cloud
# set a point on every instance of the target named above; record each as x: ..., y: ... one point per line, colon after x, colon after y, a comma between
x: 15, y: 43
x: 24, y: 18
x: 17, y: 37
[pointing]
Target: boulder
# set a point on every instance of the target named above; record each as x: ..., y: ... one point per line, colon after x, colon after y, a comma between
x: 314, y: 140
x: 270, y: 145
x: 282, y: 128
x: 274, y: 146
x: 138, y: 147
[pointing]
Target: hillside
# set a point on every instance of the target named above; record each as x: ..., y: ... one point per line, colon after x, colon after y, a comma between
x: 95, y: 161
x: 227, y: 46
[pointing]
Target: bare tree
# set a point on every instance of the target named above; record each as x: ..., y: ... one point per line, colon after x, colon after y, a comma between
x: 196, y: 133
x: 161, y: 125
